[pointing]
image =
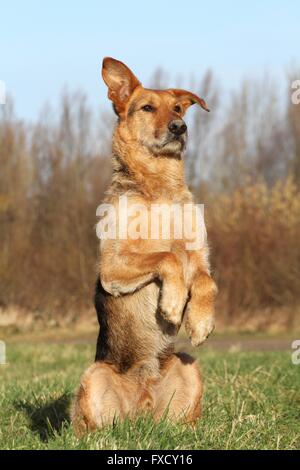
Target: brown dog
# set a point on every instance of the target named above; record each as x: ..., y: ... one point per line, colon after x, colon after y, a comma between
x: 146, y: 285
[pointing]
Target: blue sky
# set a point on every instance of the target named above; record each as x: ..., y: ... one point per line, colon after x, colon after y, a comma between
x: 47, y: 45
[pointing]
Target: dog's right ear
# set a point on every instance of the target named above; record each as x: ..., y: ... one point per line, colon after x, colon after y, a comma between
x: 120, y: 81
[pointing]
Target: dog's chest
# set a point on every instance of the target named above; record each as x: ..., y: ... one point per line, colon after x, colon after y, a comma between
x: 157, y: 332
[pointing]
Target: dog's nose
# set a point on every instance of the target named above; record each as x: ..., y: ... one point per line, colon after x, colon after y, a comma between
x: 177, y: 127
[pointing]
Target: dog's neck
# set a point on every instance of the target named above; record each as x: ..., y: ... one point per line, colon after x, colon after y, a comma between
x: 136, y: 169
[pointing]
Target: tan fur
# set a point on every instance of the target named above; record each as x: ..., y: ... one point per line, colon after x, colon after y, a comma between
x: 106, y: 396
x: 146, y: 286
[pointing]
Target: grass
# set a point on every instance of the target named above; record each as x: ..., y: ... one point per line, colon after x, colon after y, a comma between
x: 252, y: 401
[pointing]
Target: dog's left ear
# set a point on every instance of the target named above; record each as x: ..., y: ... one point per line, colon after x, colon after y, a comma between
x: 186, y: 98
x: 120, y: 80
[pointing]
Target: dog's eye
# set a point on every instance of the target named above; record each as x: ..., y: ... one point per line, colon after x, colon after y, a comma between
x: 148, y: 108
x: 177, y: 109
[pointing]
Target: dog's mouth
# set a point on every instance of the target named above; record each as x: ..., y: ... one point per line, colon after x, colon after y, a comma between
x: 167, y: 145
x: 179, y: 140
x: 171, y: 145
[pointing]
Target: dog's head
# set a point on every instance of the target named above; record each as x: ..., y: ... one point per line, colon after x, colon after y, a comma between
x: 153, y: 118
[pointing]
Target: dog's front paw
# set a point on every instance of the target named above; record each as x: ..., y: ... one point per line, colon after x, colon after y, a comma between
x: 172, y: 303
x: 199, y: 330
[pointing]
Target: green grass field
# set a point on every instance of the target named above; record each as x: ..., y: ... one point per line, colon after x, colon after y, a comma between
x: 252, y: 401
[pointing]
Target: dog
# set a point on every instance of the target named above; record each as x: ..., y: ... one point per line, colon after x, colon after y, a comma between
x: 146, y: 287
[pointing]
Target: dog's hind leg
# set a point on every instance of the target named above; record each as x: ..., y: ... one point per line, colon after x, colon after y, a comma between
x: 104, y: 396
x: 179, y: 392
